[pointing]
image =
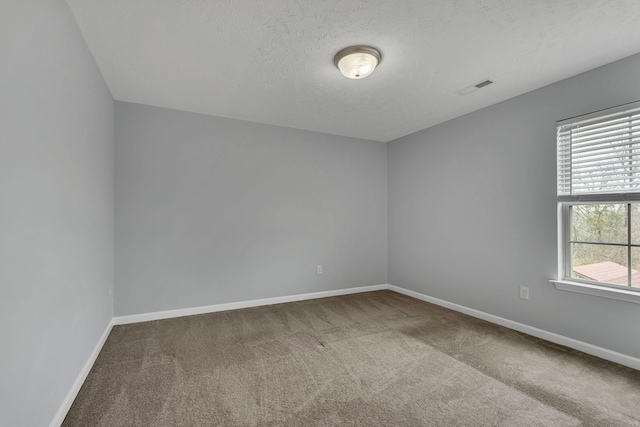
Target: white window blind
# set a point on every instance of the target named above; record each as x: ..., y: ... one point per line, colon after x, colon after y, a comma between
x: 599, y: 155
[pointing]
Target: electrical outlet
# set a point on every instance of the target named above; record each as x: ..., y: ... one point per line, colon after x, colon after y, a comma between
x: 524, y: 292
x: 110, y: 291
x: 319, y: 269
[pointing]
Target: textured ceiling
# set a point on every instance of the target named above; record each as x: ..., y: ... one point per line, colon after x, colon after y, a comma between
x: 271, y: 61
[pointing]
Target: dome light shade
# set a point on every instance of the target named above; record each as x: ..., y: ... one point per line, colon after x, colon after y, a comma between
x: 357, y: 62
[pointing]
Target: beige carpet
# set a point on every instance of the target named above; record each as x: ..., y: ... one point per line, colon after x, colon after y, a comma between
x: 372, y: 359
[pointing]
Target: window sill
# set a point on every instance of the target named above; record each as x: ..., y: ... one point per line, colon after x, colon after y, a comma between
x: 599, y: 291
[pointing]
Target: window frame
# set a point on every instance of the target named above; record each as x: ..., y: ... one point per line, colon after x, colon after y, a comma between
x: 582, y: 286
x: 565, y: 203
x: 567, y: 241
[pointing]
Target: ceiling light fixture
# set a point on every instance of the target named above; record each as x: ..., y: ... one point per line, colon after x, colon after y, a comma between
x: 357, y: 62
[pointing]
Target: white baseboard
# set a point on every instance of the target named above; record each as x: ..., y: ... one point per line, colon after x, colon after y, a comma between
x: 158, y: 315
x: 601, y: 352
x: 77, y: 384
x: 591, y: 349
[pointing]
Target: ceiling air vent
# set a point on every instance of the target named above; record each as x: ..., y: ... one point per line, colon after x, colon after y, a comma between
x: 483, y: 84
x: 469, y: 89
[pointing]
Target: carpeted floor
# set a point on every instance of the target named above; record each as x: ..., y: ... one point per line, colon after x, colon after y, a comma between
x: 372, y: 359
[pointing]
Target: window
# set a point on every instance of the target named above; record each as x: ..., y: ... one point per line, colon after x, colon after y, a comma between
x: 599, y: 198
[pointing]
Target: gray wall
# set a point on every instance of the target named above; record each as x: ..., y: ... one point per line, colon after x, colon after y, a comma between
x: 212, y: 210
x: 56, y: 208
x: 472, y: 210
